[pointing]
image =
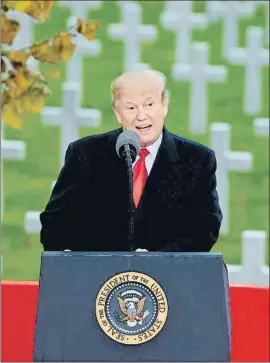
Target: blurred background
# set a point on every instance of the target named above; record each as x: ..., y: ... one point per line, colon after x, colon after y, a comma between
x: 233, y: 114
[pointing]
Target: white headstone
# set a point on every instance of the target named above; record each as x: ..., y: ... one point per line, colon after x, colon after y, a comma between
x: 227, y: 161
x: 80, y: 8
x: 253, y: 270
x: 261, y: 126
x: 24, y: 37
x: 230, y: 12
x: 84, y: 47
x: 199, y: 73
x: 71, y: 116
x: 32, y: 221
x: 133, y: 34
x: 254, y: 57
x: 179, y: 18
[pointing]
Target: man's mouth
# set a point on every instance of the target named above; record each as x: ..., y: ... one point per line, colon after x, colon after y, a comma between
x: 144, y: 127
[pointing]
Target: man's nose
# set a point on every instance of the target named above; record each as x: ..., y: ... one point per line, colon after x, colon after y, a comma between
x: 141, y: 115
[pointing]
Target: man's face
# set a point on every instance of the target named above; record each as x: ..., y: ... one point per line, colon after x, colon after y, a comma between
x: 142, y: 112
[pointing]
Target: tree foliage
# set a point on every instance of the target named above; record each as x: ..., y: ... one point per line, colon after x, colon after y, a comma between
x: 22, y: 90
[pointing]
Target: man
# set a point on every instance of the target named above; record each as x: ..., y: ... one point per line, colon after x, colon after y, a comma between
x: 177, y: 206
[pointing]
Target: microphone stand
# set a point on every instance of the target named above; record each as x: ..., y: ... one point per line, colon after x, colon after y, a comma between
x: 131, y: 209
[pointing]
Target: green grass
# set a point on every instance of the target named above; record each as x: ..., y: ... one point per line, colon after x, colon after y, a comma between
x: 27, y: 183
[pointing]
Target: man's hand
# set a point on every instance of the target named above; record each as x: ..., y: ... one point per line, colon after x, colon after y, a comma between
x: 141, y: 250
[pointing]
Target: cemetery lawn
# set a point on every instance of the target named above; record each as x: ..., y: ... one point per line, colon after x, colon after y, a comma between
x: 27, y: 184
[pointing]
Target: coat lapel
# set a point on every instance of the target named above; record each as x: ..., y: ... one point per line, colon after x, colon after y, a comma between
x: 166, y: 180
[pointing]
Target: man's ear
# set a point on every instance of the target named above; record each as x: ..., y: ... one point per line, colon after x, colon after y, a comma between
x: 116, y: 112
x: 165, y: 102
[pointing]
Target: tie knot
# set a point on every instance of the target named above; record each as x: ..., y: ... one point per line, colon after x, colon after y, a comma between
x: 143, y: 153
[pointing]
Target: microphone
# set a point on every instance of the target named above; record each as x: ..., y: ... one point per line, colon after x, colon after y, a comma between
x: 128, y: 142
x: 127, y: 148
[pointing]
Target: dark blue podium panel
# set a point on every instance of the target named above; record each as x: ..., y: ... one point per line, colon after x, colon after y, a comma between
x: 151, y: 307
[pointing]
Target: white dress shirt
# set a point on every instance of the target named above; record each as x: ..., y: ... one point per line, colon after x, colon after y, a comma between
x: 150, y: 158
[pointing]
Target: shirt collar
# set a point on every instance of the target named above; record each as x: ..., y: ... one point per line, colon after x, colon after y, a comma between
x: 153, y: 148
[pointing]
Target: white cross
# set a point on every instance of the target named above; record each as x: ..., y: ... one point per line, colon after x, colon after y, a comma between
x: 254, y: 57
x: 70, y: 117
x: 10, y: 150
x: 32, y: 222
x: 253, y: 269
x: 231, y: 12
x: 24, y: 37
x: 179, y: 17
x: 226, y: 161
x: 31, y: 219
x: 198, y: 73
x: 84, y: 47
x: 261, y: 126
x: 80, y: 9
x: 132, y: 33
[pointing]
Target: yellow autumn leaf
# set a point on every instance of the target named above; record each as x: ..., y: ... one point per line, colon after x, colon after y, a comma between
x: 18, y: 82
x: 36, y: 8
x: 86, y: 28
x: 54, y: 50
x: 43, y: 52
x: 9, y: 29
x: 31, y: 101
x: 17, y: 56
x: 10, y: 115
x: 63, y: 45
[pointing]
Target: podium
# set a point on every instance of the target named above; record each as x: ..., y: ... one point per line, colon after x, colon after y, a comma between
x: 130, y: 307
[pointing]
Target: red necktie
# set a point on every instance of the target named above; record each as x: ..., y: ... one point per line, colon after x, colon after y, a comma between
x: 139, y: 176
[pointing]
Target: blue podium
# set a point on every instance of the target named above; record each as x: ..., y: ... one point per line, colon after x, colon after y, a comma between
x: 131, y: 307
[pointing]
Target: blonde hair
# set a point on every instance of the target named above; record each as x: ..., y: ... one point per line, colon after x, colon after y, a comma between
x: 141, y: 80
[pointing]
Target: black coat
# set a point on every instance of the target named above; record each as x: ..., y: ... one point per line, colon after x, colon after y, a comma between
x: 88, y: 207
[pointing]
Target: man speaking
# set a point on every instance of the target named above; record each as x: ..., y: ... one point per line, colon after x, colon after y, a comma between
x: 175, y: 202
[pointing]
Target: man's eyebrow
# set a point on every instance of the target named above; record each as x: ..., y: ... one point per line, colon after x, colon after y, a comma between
x: 130, y: 102
x: 148, y: 98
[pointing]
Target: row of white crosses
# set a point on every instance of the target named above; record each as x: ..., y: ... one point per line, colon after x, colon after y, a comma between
x: 254, y: 56
x: 191, y: 59
x: 70, y: 117
x: 199, y: 73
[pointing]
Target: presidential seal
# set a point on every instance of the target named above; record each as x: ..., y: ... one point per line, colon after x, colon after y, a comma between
x: 131, y: 308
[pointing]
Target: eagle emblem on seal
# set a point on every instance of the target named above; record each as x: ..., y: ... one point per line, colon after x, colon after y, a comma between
x: 131, y: 308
